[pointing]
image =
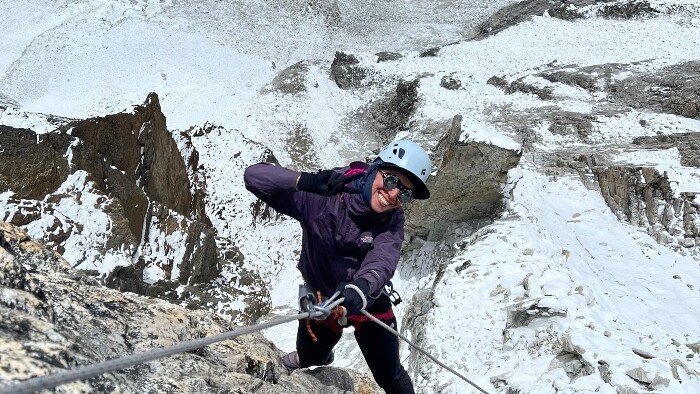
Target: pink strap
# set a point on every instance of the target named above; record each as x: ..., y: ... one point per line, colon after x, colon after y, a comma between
x: 357, y: 320
x: 354, y: 171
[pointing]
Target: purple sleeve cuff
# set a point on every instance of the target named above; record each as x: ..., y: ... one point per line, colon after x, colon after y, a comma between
x: 375, y: 285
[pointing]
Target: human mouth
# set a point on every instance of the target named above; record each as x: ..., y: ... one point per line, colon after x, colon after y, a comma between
x: 383, y: 201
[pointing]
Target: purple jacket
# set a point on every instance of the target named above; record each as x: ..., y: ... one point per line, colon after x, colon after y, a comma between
x: 343, y: 239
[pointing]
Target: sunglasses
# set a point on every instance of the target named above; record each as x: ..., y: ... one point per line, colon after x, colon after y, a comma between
x: 391, y: 182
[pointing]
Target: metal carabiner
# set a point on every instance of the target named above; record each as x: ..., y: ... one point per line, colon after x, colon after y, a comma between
x: 394, y: 295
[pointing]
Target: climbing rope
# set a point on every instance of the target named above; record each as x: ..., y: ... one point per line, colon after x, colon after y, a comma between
x: 88, y: 371
x: 381, y: 323
x: 334, y: 301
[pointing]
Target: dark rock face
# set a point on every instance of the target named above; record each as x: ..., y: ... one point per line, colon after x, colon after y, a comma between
x: 300, y: 146
x: 430, y: 52
x: 627, y: 10
x: 401, y: 106
x: 32, y: 165
x: 571, y: 123
x: 469, y: 184
x: 129, y: 168
x: 450, y: 83
x: 140, y: 145
x: 387, y: 56
x: 131, y: 157
x: 520, y: 86
x: 391, y: 114
x: 674, y: 90
x: 197, y: 179
x: 55, y: 319
x: 562, y: 9
x: 525, y: 10
x: 671, y: 89
x: 346, y: 72
x: 130, y: 201
x: 580, y: 79
x: 200, y: 261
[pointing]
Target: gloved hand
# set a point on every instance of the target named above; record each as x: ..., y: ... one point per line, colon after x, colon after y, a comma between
x: 327, y: 183
x: 355, y: 294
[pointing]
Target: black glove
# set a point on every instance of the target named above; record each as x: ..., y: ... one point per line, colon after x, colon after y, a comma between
x: 327, y: 183
x: 355, y: 294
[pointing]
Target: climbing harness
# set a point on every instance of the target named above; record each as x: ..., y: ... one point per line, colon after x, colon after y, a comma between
x: 327, y: 308
x: 312, y: 307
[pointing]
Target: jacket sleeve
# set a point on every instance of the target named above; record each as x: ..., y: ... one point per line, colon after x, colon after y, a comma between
x: 380, y: 263
x: 276, y: 186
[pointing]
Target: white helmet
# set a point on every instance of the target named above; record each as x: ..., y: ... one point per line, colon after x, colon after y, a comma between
x: 413, y: 160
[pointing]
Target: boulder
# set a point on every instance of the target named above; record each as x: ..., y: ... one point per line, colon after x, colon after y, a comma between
x: 346, y: 71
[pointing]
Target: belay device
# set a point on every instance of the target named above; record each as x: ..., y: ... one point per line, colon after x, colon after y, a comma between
x: 311, y: 302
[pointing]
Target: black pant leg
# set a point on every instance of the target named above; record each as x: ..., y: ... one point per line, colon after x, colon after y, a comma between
x: 315, y: 353
x: 381, y: 351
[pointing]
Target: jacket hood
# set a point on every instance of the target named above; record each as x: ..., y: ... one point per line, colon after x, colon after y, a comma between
x: 359, y: 204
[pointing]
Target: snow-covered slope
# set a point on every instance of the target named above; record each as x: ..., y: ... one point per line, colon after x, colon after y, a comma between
x: 557, y: 276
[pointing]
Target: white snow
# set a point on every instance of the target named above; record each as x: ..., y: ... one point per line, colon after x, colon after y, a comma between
x: 609, y: 286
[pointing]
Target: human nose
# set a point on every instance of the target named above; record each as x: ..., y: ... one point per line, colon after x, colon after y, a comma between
x: 394, y: 194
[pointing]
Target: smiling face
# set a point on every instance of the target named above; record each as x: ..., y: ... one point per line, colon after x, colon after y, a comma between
x: 382, y: 199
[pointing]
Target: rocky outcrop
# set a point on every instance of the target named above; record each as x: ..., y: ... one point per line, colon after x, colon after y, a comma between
x: 139, y: 144
x: 564, y: 9
x: 520, y: 86
x: 573, y: 364
x: 56, y: 319
x: 450, y: 82
x: 116, y: 151
x: 393, y: 115
x: 385, y: 117
x: 523, y: 11
x: 387, y: 56
x: 347, y: 72
x: 643, y: 197
x: 191, y: 259
x: 123, y: 199
x: 688, y: 145
x: 32, y: 165
x: 638, y: 195
x: 291, y: 80
x: 468, y: 186
x: 672, y: 89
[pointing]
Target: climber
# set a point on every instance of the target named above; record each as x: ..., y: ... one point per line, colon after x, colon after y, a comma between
x: 353, y: 227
